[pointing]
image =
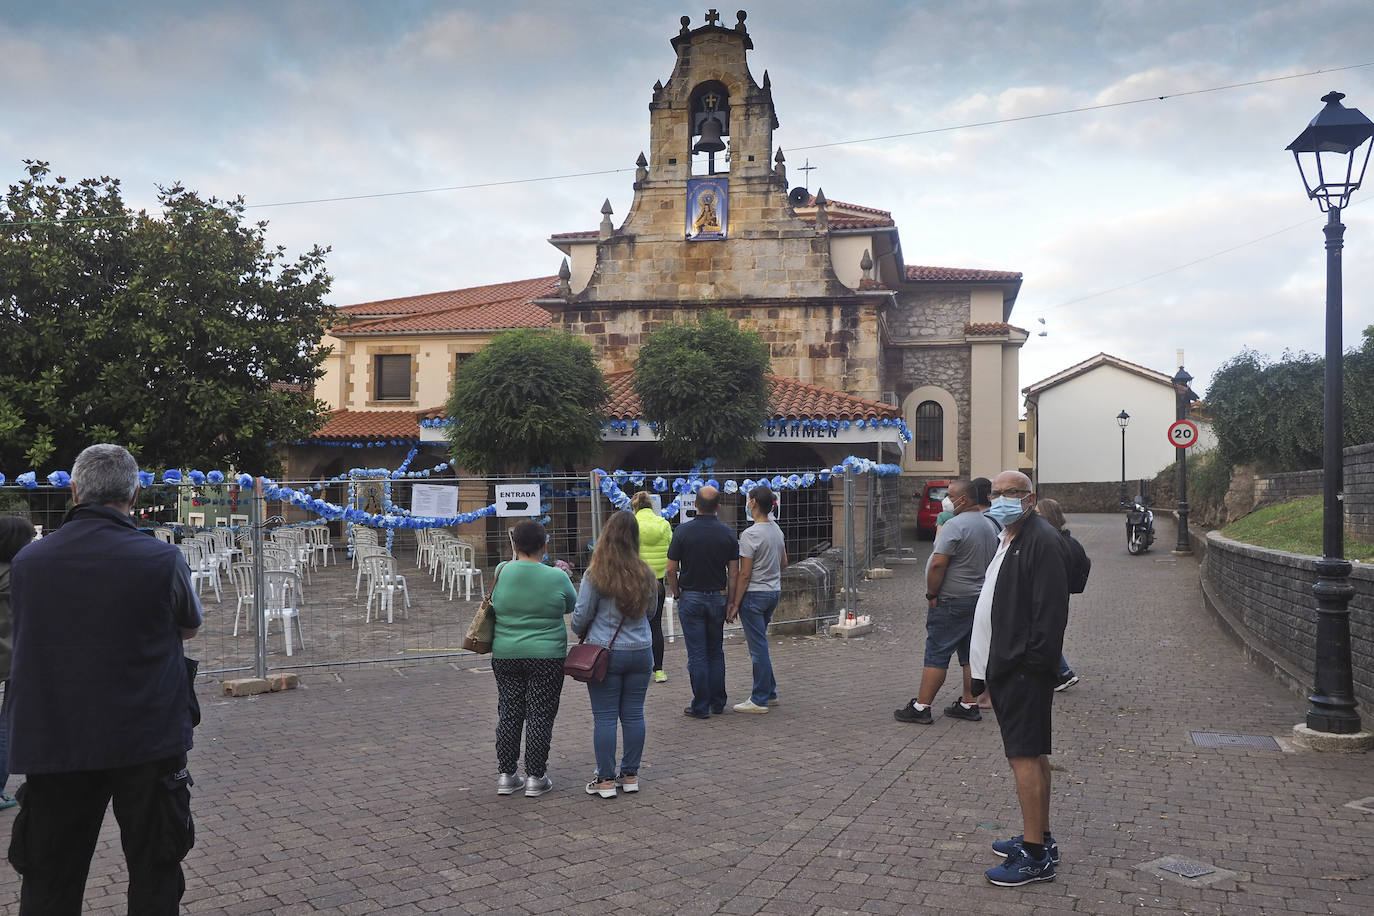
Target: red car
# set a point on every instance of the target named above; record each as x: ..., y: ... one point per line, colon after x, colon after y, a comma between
x: 929, y: 507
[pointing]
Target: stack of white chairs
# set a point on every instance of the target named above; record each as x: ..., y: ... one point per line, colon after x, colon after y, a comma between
x: 384, y: 580
x: 362, y: 537
x: 296, y: 541
x: 204, y: 566
x: 165, y: 534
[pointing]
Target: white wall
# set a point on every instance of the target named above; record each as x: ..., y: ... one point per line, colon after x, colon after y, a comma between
x: 1079, y: 439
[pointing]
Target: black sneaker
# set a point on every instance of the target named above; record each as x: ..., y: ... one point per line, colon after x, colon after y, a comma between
x: 957, y: 710
x: 1065, y: 681
x: 909, y: 713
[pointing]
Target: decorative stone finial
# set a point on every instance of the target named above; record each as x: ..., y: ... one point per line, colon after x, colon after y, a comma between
x: 642, y: 172
x: 564, y: 273
x: 822, y: 218
x: 740, y: 16
x: 767, y: 81
x: 866, y: 265
x: 780, y: 170
x: 606, y: 227
x: 686, y: 26
x: 658, y: 85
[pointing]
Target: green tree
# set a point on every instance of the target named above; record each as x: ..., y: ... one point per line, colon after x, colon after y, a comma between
x: 1270, y: 413
x: 181, y: 335
x: 528, y: 398
x: 704, y: 383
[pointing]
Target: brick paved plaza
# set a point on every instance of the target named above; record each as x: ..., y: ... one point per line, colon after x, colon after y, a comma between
x: 371, y: 790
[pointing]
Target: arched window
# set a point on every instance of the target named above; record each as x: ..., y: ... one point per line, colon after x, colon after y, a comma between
x: 929, y: 435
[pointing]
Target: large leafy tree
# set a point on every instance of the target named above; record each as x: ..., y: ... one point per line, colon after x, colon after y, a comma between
x: 181, y: 335
x: 527, y: 399
x: 1270, y: 413
x: 704, y: 383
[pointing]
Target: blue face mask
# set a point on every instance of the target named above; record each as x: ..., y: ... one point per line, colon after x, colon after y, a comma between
x: 1006, y: 509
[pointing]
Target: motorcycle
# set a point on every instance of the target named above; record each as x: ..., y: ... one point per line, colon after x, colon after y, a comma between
x: 1140, y: 528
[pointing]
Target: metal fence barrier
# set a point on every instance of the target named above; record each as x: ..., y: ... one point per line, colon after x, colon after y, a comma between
x: 342, y: 615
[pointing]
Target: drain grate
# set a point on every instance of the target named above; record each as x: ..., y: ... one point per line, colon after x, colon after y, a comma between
x: 1187, y: 868
x: 1216, y: 739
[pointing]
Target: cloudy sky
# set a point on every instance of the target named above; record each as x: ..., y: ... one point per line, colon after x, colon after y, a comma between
x: 1140, y: 228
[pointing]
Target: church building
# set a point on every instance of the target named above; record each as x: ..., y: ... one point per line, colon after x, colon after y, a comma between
x: 855, y: 332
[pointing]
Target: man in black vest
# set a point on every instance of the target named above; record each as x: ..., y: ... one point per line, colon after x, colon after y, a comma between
x: 100, y: 697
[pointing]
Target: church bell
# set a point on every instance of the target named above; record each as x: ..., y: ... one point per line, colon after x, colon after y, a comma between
x: 710, y: 141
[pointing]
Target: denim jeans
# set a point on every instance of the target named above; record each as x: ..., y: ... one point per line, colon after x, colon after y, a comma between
x: 702, y: 615
x: 619, y: 699
x: 755, y: 611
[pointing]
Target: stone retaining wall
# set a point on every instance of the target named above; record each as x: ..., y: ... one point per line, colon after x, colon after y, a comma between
x: 1265, y: 598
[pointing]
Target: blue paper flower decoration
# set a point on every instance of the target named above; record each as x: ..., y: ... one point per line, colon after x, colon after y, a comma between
x: 171, y: 476
x: 27, y: 479
x: 245, y: 481
x: 660, y: 484
x: 197, y: 477
x: 731, y: 487
x: 60, y: 479
x: 2, y: 480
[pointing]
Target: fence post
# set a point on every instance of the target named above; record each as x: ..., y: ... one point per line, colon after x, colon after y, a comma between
x: 850, y: 548
x: 596, y: 507
x: 871, y: 515
x: 256, y: 509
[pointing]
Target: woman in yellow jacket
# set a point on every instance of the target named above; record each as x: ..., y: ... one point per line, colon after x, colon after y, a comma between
x: 654, y: 535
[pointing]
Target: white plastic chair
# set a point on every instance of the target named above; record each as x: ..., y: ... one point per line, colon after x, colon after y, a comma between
x: 383, y: 582
x: 204, y: 568
x: 242, y: 574
x: 360, y: 554
x: 283, y: 602
x: 320, y: 543
x: 460, y: 563
x: 165, y: 535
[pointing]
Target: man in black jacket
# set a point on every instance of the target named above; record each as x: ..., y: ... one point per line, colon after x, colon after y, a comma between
x: 1026, y: 594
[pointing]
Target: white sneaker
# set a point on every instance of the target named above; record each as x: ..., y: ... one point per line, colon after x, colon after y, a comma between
x: 750, y: 707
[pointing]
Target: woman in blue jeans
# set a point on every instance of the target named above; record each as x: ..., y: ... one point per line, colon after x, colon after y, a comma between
x: 613, y: 604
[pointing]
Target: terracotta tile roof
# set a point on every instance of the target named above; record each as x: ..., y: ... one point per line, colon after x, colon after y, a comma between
x: 833, y: 206
x: 473, y: 295
x: 851, y: 222
x: 991, y: 328
x: 791, y: 400
x: 372, y: 424
x: 485, y: 316
x: 959, y: 274
x: 1093, y: 362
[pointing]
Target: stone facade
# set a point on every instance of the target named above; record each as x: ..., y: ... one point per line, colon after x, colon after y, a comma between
x: 829, y: 342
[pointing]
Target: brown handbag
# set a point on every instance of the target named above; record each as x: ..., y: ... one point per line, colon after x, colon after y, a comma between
x: 588, y: 662
x: 482, y: 630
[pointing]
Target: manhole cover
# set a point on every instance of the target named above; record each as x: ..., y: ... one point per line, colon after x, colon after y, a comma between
x: 1187, y: 869
x: 1216, y: 739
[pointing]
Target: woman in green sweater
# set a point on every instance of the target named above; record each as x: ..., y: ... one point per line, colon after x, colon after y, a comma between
x: 654, y: 536
x: 527, y: 655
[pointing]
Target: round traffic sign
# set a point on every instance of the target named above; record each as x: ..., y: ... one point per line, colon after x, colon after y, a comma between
x: 1182, y: 433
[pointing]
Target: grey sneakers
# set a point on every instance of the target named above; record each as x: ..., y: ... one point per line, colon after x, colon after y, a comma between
x: 509, y: 784
x: 537, y: 785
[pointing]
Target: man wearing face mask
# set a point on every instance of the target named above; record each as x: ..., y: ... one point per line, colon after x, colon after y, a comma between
x: 954, y: 575
x: 1017, y: 640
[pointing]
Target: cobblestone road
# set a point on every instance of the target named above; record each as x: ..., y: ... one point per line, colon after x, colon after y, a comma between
x: 372, y: 790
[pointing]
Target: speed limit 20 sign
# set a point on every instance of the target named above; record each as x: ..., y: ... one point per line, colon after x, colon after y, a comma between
x: 1183, y: 434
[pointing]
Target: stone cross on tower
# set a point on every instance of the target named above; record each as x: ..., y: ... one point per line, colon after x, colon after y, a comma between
x: 712, y: 17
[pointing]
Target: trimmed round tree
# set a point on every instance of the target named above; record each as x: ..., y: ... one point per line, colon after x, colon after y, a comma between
x: 528, y: 398
x: 704, y: 383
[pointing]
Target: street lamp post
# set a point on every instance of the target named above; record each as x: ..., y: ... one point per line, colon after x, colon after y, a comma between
x: 1336, y: 133
x: 1122, y: 419
x: 1183, y: 406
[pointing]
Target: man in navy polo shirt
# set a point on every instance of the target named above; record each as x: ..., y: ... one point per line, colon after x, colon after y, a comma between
x: 703, y: 560
x: 100, y: 697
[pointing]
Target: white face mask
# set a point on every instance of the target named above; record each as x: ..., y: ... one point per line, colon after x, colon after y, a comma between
x: 947, y: 504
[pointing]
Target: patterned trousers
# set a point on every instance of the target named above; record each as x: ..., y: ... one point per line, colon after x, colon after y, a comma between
x: 529, y: 690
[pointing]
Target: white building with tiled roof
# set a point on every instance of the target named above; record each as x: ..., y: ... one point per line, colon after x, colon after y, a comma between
x: 1072, y: 434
